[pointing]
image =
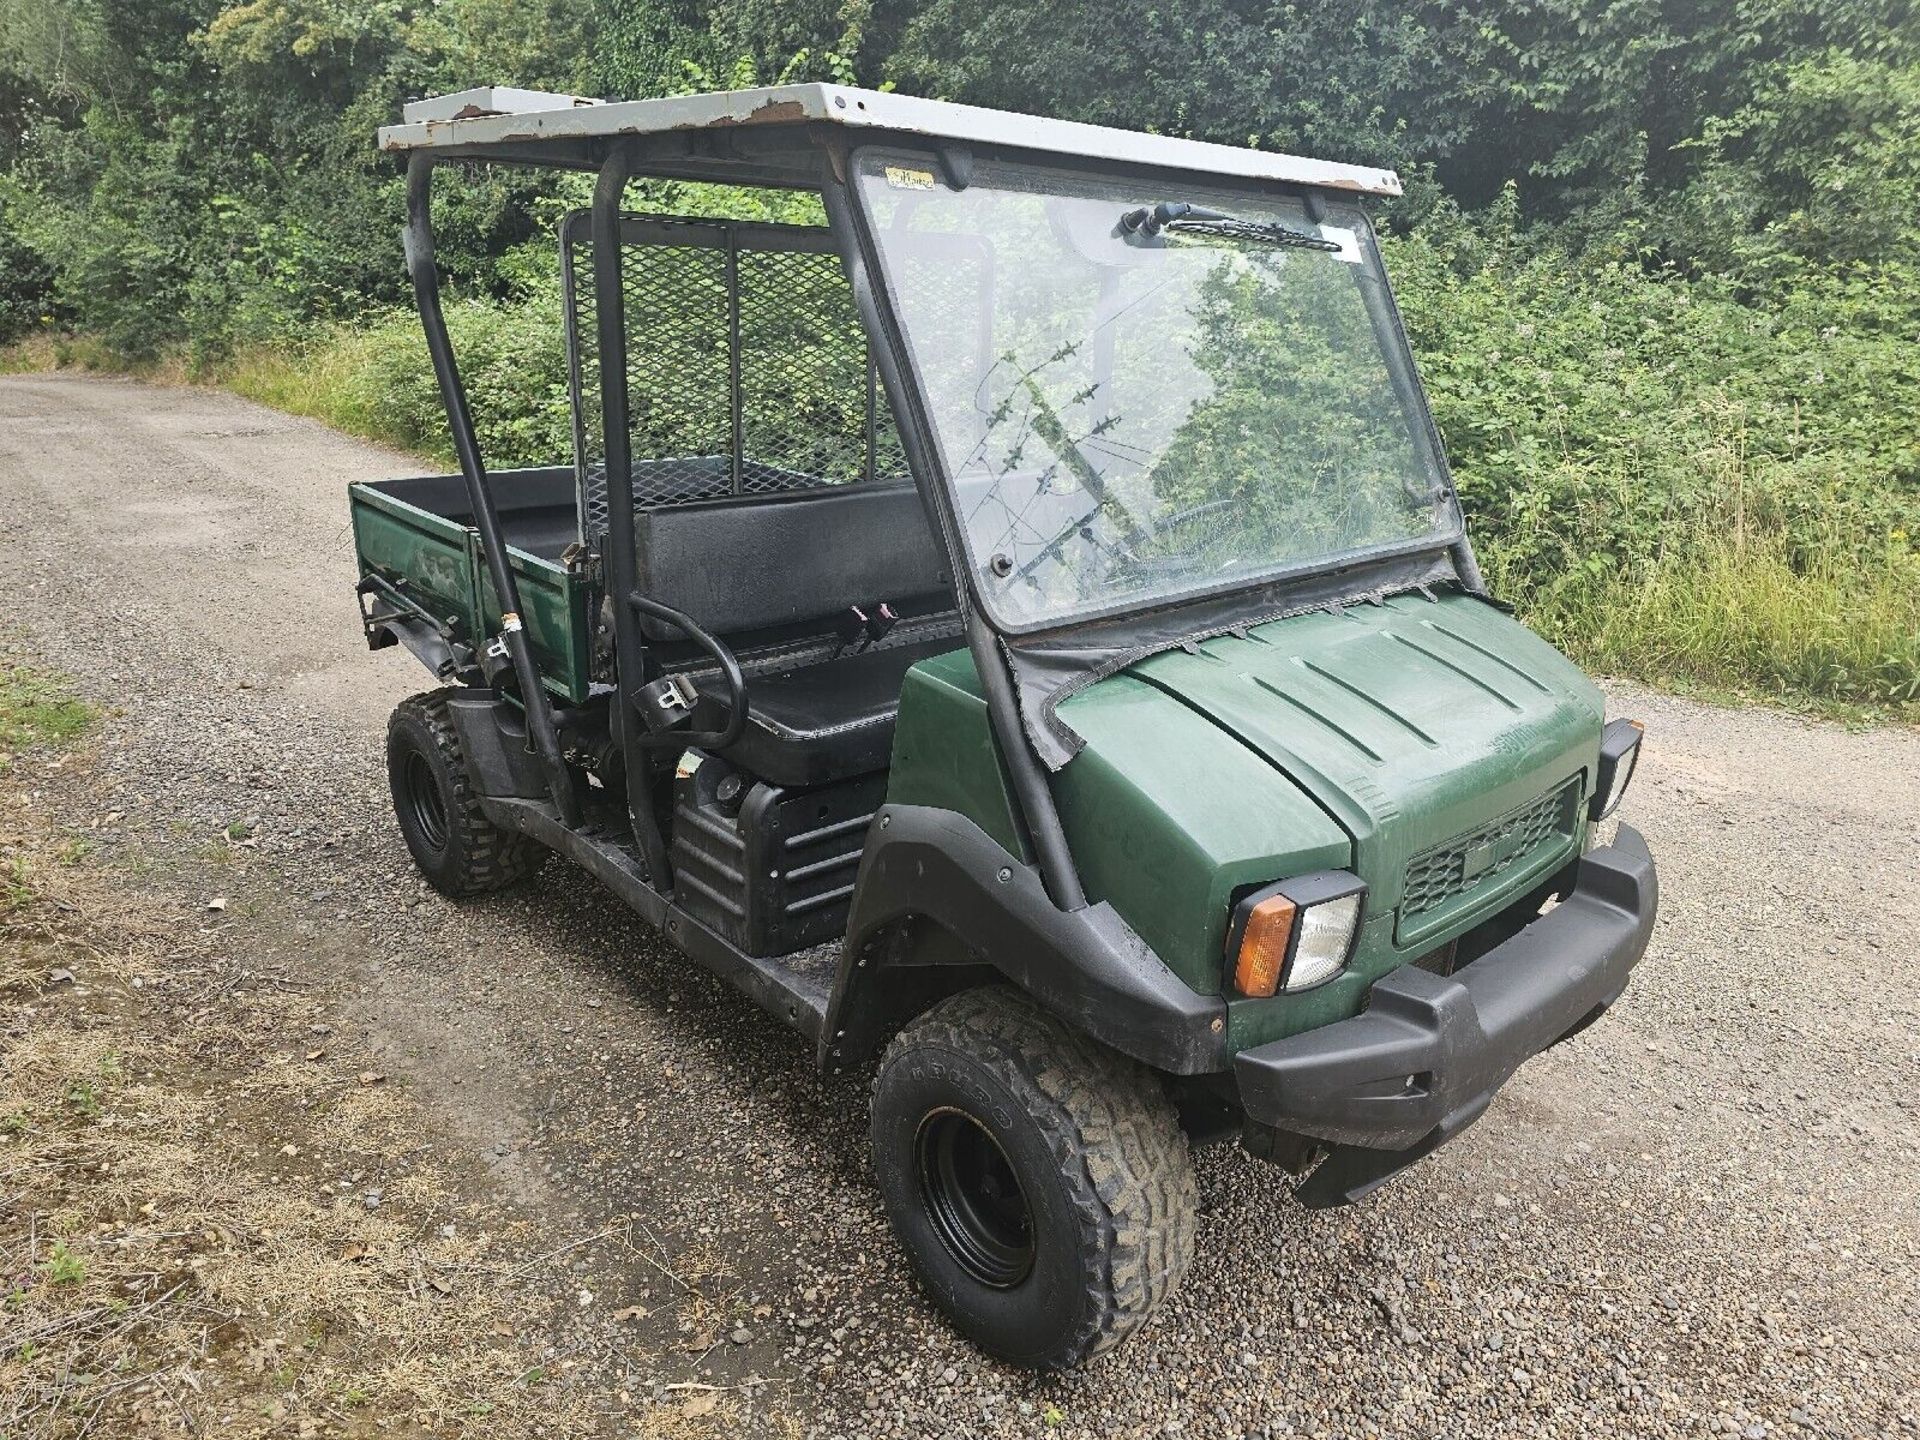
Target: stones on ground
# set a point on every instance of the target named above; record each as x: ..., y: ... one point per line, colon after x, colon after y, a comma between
x: 793, y: 1179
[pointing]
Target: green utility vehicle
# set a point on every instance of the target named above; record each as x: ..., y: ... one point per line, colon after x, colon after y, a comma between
x: 1020, y: 629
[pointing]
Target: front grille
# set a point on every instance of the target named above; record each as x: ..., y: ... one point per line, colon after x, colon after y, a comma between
x: 1469, y: 861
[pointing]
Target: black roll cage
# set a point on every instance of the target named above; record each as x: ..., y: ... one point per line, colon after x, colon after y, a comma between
x: 425, y: 275
x: 772, y: 156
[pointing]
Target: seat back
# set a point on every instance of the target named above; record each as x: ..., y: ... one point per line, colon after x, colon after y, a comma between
x: 787, y: 565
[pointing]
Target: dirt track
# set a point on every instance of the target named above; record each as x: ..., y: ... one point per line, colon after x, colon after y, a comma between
x: 1699, y: 1218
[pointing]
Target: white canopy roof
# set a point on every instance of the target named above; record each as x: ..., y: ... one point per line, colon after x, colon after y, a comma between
x: 526, y: 121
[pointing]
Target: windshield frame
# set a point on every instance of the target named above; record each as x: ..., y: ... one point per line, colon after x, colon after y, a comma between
x: 1449, y: 534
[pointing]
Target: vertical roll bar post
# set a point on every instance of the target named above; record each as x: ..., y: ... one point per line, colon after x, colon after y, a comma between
x: 618, y: 562
x: 425, y: 276
x: 1033, y: 797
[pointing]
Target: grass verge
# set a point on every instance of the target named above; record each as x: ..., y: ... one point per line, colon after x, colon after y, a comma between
x: 44, y: 352
x: 337, y: 379
x: 1732, y: 615
x: 328, y: 381
x: 188, y: 1240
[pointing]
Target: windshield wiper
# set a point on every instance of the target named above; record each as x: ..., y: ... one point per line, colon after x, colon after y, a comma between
x: 1173, y: 215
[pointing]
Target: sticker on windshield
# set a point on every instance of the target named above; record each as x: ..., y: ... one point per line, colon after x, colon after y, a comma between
x: 1347, y: 240
x: 902, y: 178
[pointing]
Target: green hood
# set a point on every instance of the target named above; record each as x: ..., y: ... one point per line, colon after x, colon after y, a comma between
x: 1422, y: 743
x: 1409, y: 739
x: 1413, y: 724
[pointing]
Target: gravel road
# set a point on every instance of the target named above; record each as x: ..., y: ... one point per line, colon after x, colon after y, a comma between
x: 1698, y: 1219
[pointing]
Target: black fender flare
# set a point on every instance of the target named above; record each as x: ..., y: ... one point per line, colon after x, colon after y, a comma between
x: 940, y: 904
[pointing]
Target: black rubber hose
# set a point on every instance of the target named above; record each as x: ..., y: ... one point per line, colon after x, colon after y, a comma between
x: 729, y: 668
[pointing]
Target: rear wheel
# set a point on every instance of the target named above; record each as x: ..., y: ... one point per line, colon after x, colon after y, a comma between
x: 1039, y: 1182
x: 457, y: 848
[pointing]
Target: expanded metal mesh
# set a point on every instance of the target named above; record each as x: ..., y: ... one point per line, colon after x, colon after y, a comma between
x: 748, y: 369
x: 806, y: 380
x: 1468, y: 861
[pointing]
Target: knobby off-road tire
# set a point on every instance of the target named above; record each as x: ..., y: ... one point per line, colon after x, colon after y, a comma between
x: 986, y: 1084
x: 457, y: 848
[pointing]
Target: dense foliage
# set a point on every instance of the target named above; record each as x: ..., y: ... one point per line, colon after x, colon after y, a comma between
x: 1659, y: 258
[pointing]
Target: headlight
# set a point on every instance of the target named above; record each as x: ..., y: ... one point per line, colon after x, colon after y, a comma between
x: 1619, y: 754
x: 1293, y: 935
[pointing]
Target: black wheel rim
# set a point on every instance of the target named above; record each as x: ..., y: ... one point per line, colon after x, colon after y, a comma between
x: 424, y: 799
x: 979, y: 1210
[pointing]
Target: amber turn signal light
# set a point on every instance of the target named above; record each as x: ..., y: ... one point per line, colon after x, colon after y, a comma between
x: 1263, y: 947
x: 1294, y: 934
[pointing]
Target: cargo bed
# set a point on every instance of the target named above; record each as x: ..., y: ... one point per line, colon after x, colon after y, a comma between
x: 420, y: 560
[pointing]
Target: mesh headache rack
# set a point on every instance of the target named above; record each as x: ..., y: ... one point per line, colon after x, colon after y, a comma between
x: 748, y: 370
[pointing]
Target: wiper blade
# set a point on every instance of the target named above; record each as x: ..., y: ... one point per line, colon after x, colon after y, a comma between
x: 1174, y: 215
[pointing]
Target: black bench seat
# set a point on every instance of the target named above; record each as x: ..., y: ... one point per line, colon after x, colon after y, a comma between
x: 775, y: 574
x: 821, y: 722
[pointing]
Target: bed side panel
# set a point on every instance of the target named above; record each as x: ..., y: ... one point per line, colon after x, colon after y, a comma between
x: 555, y: 607
x: 430, y: 557
x: 439, y: 561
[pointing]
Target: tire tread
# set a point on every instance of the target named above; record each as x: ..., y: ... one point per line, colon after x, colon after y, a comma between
x: 490, y: 858
x: 1111, y: 1129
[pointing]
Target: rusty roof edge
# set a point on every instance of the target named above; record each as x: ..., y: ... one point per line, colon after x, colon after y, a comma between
x: 883, y: 112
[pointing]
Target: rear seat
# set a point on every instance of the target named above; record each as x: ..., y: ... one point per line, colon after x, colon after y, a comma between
x: 768, y: 574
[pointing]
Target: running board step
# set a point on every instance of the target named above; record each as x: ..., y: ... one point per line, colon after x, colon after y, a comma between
x: 794, y: 988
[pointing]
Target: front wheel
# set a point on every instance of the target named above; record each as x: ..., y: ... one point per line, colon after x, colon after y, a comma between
x: 1039, y: 1182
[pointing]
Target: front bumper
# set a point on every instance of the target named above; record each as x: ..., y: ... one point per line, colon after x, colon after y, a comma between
x: 1422, y: 1062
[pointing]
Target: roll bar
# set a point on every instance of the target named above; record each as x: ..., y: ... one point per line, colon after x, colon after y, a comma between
x: 1033, y: 796
x: 622, y: 570
x: 512, y: 640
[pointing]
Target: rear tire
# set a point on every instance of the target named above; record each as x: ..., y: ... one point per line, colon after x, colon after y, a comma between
x: 458, y: 849
x: 1039, y: 1182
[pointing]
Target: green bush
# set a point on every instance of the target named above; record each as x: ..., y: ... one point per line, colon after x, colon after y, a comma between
x: 375, y: 380
x: 1672, y: 481
x: 512, y: 357
x: 1821, y: 168
x: 1669, y: 341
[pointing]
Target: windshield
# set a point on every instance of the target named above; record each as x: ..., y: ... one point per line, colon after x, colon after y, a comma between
x: 1141, y: 394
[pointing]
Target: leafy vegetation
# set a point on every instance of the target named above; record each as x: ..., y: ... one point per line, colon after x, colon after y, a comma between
x: 1659, y: 261
x: 1676, y: 481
